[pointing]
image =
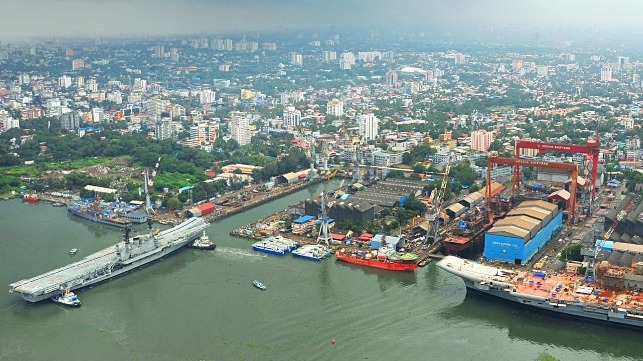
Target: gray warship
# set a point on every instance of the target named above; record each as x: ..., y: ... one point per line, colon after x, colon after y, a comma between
x: 130, y: 253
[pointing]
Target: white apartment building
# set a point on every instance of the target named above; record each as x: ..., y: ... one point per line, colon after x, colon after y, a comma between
x: 369, y: 126
x: 606, y: 73
x: 240, y: 129
x: 335, y: 108
x: 292, y: 118
x: 207, y: 97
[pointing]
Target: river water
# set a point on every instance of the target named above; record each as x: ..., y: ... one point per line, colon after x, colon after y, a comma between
x: 201, y: 305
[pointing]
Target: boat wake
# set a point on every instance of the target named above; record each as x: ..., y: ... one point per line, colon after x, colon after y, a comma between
x: 238, y: 254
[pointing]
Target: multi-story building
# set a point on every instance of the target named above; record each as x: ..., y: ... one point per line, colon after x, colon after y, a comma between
x: 159, y: 51
x: 98, y: 115
x: 606, y: 73
x: 346, y: 61
x: 391, y: 78
x: 296, y: 59
x: 64, y: 81
x: 204, y: 132
x: 240, y: 129
x: 292, y: 118
x: 167, y: 129
x: 69, y: 119
x: 335, y: 108
x: 7, y: 121
x: 91, y: 85
x: 481, y: 140
x: 207, y: 97
x: 368, y: 126
x: 329, y: 55
x: 77, y: 64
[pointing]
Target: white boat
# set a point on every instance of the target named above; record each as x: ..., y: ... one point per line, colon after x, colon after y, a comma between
x: 203, y: 242
x: 259, y: 285
x: 73, y: 251
x: 67, y: 298
x: 315, y: 252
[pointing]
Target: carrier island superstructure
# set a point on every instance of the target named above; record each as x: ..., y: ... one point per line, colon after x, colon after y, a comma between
x: 130, y: 253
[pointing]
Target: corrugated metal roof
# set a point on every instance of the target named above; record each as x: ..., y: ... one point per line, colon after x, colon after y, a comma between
x: 542, y: 204
x: 511, y: 231
x: 455, y: 207
x: 533, y: 212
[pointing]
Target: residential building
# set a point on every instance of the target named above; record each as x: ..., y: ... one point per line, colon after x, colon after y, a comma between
x: 481, y: 140
x: 292, y: 118
x: 335, y: 108
x: 368, y: 126
x: 240, y: 129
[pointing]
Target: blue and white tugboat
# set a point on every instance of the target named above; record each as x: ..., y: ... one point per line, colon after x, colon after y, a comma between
x: 67, y: 298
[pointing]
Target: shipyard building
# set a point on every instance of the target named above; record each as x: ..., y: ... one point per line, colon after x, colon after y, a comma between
x: 365, y: 205
x: 526, y: 228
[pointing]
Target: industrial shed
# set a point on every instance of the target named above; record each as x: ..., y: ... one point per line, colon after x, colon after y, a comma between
x: 200, y: 210
x: 525, y: 230
x: 472, y: 199
x: 455, y: 210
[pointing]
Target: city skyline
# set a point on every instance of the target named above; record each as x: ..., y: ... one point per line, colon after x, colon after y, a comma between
x: 88, y: 18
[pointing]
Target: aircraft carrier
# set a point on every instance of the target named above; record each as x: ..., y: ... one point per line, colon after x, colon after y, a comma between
x: 130, y: 253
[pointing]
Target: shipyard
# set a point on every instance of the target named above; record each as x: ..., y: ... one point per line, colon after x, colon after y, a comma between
x: 327, y: 181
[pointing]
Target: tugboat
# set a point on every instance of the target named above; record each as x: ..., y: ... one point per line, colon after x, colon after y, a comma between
x: 31, y: 198
x: 203, y: 242
x: 68, y: 298
x: 259, y: 285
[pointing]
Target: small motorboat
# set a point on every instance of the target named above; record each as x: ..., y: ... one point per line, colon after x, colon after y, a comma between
x: 73, y: 251
x: 68, y: 298
x: 259, y: 285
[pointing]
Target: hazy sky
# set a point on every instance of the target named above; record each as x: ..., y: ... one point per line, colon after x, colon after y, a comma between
x: 23, y: 18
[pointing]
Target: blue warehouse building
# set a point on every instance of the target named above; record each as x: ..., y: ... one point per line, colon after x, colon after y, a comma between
x: 526, y: 229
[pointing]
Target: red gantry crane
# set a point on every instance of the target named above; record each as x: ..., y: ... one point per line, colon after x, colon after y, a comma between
x: 591, y: 150
x: 494, y: 160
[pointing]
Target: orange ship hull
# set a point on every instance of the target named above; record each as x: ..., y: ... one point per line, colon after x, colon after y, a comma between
x: 388, y: 265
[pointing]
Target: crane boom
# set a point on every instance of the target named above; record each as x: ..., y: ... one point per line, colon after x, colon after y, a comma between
x: 433, y: 213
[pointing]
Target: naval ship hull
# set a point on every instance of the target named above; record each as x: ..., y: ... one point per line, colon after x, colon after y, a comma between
x: 117, y: 222
x: 483, y: 285
x: 105, y: 264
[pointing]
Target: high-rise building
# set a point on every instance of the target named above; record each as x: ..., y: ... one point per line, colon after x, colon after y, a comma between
x: 606, y: 73
x: 481, y: 140
x: 207, y: 97
x: 296, y: 59
x: 98, y: 115
x: 204, y: 132
x: 636, y: 80
x: 69, y: 119
x: 542, y: 70
x: 329, y: 55
x: 7, y: 121
x: 240, y: 129
x: 80, y: 82
x: 174, y: 55
x: 369, y: 126
x: 159, y: 51
x: 64, y: 81
x: 428, y: 76
x: 335, y: 108
x: 292, y: 118
x: 391, y: 78
x: 92, y: 85
x: 346, y: 61
x: 77, y: 64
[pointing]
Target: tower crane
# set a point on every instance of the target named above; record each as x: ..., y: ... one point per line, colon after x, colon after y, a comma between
x: 433, y: 213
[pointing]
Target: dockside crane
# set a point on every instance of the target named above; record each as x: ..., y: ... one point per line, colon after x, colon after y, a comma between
x: 433, y: 213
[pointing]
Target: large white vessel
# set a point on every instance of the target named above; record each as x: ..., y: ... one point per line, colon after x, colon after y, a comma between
x: 562, y: 293
x: 126, y: 255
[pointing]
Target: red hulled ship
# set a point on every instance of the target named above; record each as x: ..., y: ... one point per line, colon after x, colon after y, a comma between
x: 32, y: 197
x: 404, y: 262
